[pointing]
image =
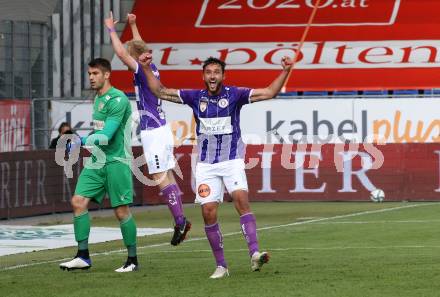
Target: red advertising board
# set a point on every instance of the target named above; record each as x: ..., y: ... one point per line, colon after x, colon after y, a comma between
x: 32, y: 184
x: 356, y: 44
x: 331, y: 172
x: 15, y: 125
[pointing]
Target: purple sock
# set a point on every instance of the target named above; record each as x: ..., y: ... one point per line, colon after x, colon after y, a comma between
x: 215, y: 239
x: 249, y: 229
x: 180, y: 195
x: 172, y: 197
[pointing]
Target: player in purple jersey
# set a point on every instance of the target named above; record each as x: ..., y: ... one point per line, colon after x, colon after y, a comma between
x: 221, y: 150
x: 157, y: 138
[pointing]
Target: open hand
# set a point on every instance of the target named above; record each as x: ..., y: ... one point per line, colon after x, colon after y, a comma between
x: 110, y: 22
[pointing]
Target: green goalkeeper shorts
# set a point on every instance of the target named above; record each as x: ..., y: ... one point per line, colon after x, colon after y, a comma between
x: 113, y: 178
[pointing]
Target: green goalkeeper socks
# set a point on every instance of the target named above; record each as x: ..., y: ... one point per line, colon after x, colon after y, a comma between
x: 81, y: 225
x: 128, y: 229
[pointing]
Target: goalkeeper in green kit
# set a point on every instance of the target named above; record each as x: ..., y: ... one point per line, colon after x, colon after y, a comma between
x: 108, y: 170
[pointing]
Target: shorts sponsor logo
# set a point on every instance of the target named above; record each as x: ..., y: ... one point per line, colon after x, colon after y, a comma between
x: 204, y: 190
x: 223, y: 103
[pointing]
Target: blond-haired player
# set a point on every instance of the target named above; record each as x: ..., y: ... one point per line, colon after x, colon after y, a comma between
x: 157, y: 138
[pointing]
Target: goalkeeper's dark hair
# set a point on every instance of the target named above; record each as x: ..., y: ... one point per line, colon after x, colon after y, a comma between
x: 212, y: 60
x: 101, y: 63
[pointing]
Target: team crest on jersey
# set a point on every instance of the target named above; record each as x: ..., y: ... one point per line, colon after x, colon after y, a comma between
x: 203, y: 105
x: 223, y: 102
x: 100, y: 106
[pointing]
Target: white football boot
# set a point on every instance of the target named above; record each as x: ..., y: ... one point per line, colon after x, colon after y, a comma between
x: 258, y: 260
x: 76, y: 263
x: 220, y: 272
x: 127, y: 268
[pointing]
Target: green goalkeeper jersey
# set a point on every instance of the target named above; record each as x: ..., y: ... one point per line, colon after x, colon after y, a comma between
x: 114, y: 106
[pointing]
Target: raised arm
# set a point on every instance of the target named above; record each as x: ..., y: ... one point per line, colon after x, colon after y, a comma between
x: 131, y: 18
x: 119, y: 49
x: 275, y: 87
x: 158, y: 89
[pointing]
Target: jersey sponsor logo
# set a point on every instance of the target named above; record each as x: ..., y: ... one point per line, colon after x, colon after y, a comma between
x: 223, y: 103
x: 203, y: 105
x: 215, y: 126
x: 204, y: 190
x: 207, y: 100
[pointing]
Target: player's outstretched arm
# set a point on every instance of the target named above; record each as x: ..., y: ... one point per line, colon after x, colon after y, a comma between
x: 119, y: 49
x: 131, y: 18
x: 275, y: 87
x: 158, y: 89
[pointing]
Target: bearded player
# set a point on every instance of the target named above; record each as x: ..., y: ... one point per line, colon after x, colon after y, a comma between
x: 221, y: 150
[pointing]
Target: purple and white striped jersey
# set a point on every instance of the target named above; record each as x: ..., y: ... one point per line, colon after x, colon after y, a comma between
x: 149, y: 106
x: 218, y: 122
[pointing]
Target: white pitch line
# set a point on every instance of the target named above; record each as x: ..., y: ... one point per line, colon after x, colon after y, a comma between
x: 306, y: 249
x: 382, y: 222
x: 231, y: 233
x: 344, y: 216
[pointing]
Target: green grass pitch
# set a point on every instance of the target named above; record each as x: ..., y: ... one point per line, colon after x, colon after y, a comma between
x: 317, y: 249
